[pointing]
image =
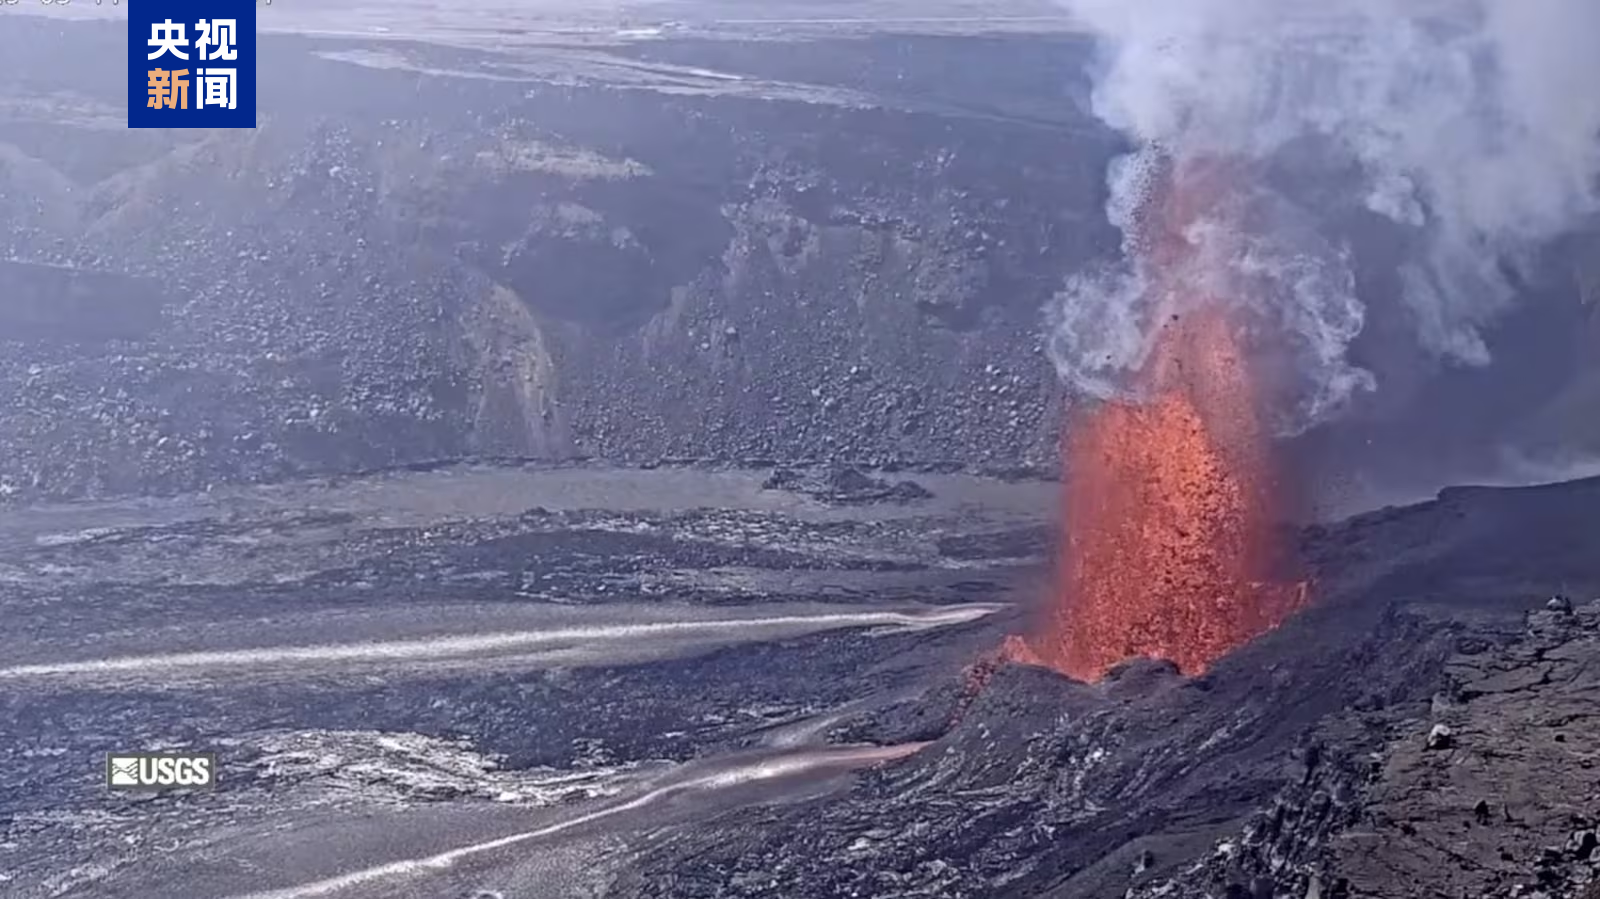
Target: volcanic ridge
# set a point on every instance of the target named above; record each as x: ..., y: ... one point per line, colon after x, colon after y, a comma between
x: 1417, y: 731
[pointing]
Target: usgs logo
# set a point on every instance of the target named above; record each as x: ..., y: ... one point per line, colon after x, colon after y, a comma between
x: 161, y: 770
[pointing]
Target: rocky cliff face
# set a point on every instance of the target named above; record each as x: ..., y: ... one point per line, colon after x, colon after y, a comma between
x: 669, y: 248
x: 455, y: 254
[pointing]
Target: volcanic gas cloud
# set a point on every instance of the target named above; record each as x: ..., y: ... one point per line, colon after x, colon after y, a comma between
x: 1280, y: 146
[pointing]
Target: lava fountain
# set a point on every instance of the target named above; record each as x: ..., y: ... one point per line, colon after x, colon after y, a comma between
x: 1172, y: 500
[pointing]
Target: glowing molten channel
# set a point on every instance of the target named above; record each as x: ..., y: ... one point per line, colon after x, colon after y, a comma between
x: 1170, y: 548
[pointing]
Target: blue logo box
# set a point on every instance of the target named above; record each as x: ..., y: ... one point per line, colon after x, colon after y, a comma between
x: 191, y: 64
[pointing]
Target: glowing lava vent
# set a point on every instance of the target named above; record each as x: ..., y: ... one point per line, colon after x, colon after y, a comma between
x: 1172, y: 502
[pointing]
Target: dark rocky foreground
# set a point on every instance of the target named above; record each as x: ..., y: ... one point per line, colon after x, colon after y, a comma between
x: 1426, y: 730
x: 1423, y: 730
x: 655, y: 627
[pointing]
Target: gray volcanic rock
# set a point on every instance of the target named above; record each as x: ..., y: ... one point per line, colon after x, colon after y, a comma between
x: 1299, y: 766
x: 574, y: 252
x: 458, y: 655
x: 602, y: 246
x: 1505, y: 807
x: 844, y: 485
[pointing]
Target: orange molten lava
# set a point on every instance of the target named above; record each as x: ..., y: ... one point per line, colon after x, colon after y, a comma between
x: 1170, y: 549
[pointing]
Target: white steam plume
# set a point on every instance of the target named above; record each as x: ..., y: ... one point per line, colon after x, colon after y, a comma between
x: 1472, y: 125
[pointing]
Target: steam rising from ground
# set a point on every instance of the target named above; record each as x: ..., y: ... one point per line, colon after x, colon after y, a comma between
x: 1469, y: 127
